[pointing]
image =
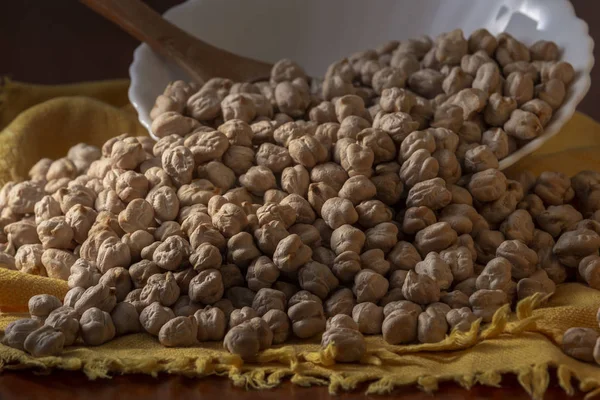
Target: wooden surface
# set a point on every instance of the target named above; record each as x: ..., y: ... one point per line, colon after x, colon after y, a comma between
x: 74, y: 386
x: 62, y: 41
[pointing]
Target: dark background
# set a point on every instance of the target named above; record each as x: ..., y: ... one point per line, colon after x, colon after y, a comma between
x: 62, y: 41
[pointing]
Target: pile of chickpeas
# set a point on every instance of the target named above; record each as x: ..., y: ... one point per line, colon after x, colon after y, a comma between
x: 369, y: 202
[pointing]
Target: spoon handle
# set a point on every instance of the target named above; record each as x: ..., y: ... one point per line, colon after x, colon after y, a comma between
x: 200, y: 60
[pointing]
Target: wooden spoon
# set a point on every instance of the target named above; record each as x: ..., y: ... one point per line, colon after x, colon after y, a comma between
x: 200, y: 60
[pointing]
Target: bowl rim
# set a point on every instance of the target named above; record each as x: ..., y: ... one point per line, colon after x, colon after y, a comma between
x: 567, y: 109
x: 137, y: 54
x: 554, y: 126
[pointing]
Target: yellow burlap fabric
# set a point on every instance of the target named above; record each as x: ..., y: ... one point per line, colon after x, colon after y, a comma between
x: 44, y: 121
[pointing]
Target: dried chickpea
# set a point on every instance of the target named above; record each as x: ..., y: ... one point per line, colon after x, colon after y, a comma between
x: 342, y: 301
x: 400, y: 326
x: 369, y: 286
x: 96, y: 327
x: 295, y: 180
x: 431, y: 326
x: 519, y: 86
x: 17, y: 331
x: 230, y: 220
x: 538, y: 282
x: 44, y: 341
x: 307, y: 318
x: 55, y: 233
x: 58, y: 263
x: 66, y: 320
x: 154, y: 317
x: 523, y: 125
x: 579, y: 343
x: 554, y: 188
x: 485, y: 303
x: 571, y: 247
x: 241, y: 249
x: 518, y: 225
x: 211, y: 324
x: 437, y: 269
x: 460, y: 319
x: 258, y: 180
x: 42, y: 305
x: 28, y: 259
x: 488, y: 78
x: 346, y: 265
x: 206, y: 287
x: 348, y: 344
x: 291, y: 253
x: 241, y: 315
x: 317, y: 278
x: 496, y: 275
x: 499, y: 108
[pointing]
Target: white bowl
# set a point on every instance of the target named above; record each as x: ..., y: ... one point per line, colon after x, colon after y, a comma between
x: 315, y: 33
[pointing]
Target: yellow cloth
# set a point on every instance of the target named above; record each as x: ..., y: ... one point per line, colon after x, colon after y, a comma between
x: 523, y: 343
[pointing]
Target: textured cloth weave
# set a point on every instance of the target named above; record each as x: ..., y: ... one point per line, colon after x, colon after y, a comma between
x: 41, y: 121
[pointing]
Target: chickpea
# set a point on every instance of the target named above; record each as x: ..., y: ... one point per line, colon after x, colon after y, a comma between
x: 389, y: 188
x: 44, y: 341
x: 55, y: 233
x: 486, y: 302
x: 206, y: 287
x: 404, y: 256
x: 230, y: 220
x: 519, y: 225
x: 436, y: 237
x: 579, y: 343
x: 241, y: 249
x: 291, y: 253
x: 346, y: 265
x: 125, y: 319
x: 258, y: 180
x: 43, y: 304
x: 28, y: 259
x: 369, y: 286
x: 431, y: 326
x: 302, y: 208
x: 400, y: 327
x: 307, y: 318
x: 317, y: 278
x: 557, y: 219
x: 17, y: 331
x: 271, y: 212
x: 523, y: 125
x: 519, y: 86
x: 496, y: 275
x: 342, y: 301
x: 571, y: 247
x: 538, y: 282
x: 420, y: 289
x: 498, y: 210
x: 460, y: 319
x: 22, y: 232
x: 554, y: 188
x: 348, y: 344
x: 309, y: 234
x: 455, y: 299
x: 374, y: 260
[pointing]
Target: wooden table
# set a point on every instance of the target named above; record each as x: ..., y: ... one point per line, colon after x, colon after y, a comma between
x: 75, y: 386
x: 61, y: 41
